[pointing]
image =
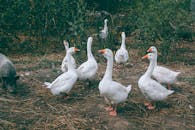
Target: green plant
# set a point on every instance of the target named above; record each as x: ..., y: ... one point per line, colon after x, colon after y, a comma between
x: 159, y: 23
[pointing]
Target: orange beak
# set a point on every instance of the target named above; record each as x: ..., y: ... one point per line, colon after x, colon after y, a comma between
x: 102, y: 51
x: 145, y: 57
x: 149, y: 50
x: 76, y: 49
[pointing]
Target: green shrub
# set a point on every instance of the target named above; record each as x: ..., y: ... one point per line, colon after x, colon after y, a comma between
x: 159, y: 23
x: 40, y: 20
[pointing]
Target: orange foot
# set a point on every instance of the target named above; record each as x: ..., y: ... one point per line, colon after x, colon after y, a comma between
x: 151, y: 107
x: 109, y: 108
x: 113, y: 113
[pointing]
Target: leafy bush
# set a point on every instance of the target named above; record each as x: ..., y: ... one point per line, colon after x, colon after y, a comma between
x: 36, y: 25
x: 161, y: 23
x: 40, y: 20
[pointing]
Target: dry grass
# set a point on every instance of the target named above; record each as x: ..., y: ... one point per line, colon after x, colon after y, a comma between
x: 34, y: 107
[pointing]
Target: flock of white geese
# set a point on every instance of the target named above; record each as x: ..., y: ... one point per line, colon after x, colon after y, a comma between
x: 112, y: 91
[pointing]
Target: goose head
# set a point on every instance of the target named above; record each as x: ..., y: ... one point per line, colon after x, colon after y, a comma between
x: 152, y: 49
x: 105, y: 21
x: 90, y: 39
x: 73, y: 50
x: 123, y: 34
x: 66, y: 44
x: 107, y: 53
x: 149, y: 56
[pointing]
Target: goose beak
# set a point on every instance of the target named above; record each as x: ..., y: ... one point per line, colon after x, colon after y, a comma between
x: 145, y: 57
x: 76, y: 49
x: 149, y: 50
x: 102, y: 51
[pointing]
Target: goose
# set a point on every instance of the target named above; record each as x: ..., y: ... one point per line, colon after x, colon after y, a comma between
x: 104, y: 32
x: 64, y: 65
x: 163, y: 74
x: 64, y: 82
x: 150, y: 88
x: 122, y: 55
x: 88, y: 69
x: 112, y: 91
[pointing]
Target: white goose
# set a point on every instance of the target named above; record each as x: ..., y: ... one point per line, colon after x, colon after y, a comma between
x: 104, y: 32
x: 65, y: 82
x: 150, y: 88
x: 88, y: 69
x: 64, y: 65
x: 111, y: 90
x: 162, y: 74
x: 122, y: 55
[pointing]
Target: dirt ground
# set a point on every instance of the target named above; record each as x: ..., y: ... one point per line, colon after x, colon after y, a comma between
x: 34, y: 107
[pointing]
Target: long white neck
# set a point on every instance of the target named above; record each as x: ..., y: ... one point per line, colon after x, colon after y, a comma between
x: 70, y: 66
x: 108, y: 73
x: 123, y: 43
x: 150, y: 69
x: 105, y: 25
x: 155, y: 57
x: 89, y: 53
x: 66, y: 46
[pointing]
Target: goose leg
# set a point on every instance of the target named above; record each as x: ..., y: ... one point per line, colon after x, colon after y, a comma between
x: 150, y: 107
x: 109, y: 108
x: 113, y: 112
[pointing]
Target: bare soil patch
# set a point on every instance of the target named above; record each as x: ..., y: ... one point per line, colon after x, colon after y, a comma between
x: 34, y: 107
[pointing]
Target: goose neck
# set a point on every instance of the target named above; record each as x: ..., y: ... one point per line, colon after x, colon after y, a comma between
x: 108, y: 73
x: 123, y: 43
x: 70, y: 67
x: 155, y: 58
x: 89, y: 53
x: 66, y: 47
x: 105, y: 25
x: 150, y: 69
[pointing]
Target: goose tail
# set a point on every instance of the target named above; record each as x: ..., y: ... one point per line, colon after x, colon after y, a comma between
x: 128, y: 88
x: 177, y: 73
x: 170, y: 92
x: 47, y: 84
